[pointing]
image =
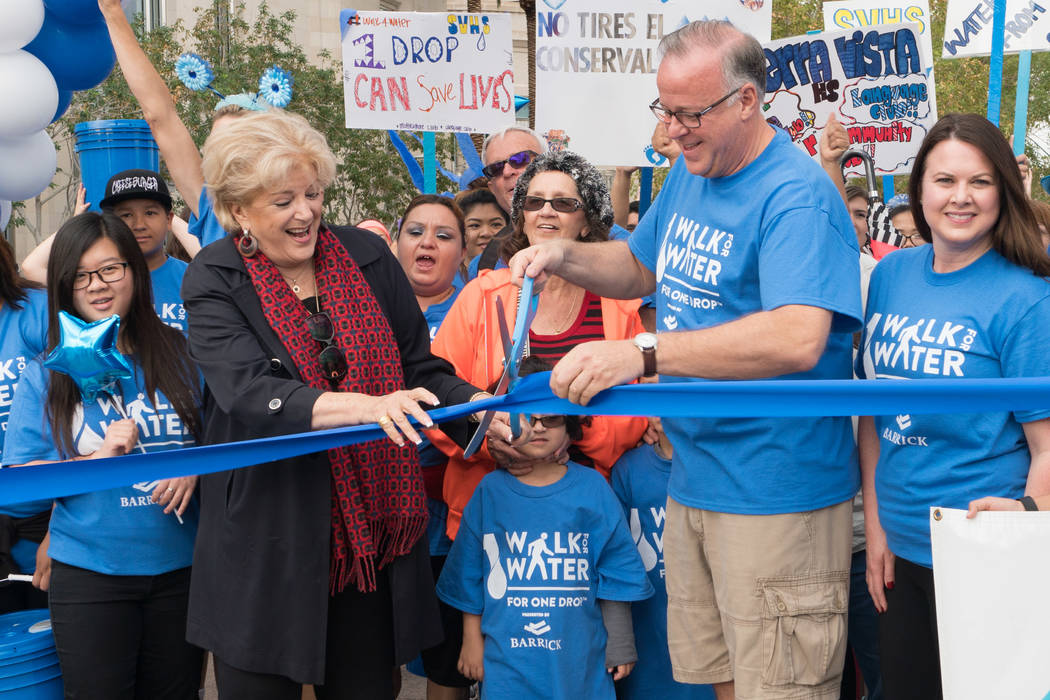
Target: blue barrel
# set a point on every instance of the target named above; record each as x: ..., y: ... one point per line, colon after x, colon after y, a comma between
x: 108, y: 146
x: 28, y: 663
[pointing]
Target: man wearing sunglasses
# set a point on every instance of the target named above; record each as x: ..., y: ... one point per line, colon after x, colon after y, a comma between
x: 754, y: 262
x: 505, y: 154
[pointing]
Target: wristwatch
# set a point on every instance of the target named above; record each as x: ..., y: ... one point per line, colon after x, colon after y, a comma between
x: 646, y: 342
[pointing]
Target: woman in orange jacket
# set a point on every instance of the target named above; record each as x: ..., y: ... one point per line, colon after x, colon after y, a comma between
x: 560, y: 195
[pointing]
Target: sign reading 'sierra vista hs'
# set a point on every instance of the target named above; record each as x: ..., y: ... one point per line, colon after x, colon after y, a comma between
x: 873, y: 80
x: 429, y: 71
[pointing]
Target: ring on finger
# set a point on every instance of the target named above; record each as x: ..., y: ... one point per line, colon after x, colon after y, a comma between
x: 384, y: 421
x: 171, y: 490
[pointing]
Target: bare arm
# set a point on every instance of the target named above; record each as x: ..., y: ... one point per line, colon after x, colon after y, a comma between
x: 176, y: 145
x: 621, y: 194
x: 472, y: 653
x: 34, y: 267
x: 834, y: 141
x: 880, y: 559
x: 181, y: 230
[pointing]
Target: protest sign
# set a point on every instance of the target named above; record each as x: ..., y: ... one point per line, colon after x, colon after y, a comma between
x: 968, y: 27
x: 873, y: 80
x: 990, y: 575
x: 596, y: 63
x: 431, y: 71
x: 857, y: 14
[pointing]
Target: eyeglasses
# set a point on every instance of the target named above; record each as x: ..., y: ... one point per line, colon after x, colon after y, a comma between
x: 114, y: 272
x: 566, y: 205
x: 914, y: 239
x: 516, y: 160
x: 548, y: 421
x: 690, y: 120
x: 331, y: 357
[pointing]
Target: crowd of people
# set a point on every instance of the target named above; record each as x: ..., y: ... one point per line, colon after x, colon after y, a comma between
x: 592, y: 556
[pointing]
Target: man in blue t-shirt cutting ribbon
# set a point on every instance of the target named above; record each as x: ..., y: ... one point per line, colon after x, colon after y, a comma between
x: 754, y: 264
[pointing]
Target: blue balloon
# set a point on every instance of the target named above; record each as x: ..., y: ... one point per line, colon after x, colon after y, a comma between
x: 64, y: 98
x: 80, y: 56
x: 87, y: 352
x: 76, y: 11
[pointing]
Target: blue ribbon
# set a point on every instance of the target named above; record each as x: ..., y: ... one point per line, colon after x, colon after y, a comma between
x: 533, y: 395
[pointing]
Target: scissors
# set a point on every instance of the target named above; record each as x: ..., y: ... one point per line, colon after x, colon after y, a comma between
x: 513, y: 350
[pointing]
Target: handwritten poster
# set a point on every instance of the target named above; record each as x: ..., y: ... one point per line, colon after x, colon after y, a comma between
x: 596, y: 63
x: 968, y: 27
x: 873, y: 80
x: 430, y: 71
x: 857, y: 14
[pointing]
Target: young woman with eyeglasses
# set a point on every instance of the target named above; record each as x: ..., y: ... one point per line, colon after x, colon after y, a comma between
x: 298, y: 326
x: 116, y: 563
x: 560, y: 195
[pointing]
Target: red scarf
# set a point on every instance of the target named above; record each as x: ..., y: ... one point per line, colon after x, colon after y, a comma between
x: 378, y: 503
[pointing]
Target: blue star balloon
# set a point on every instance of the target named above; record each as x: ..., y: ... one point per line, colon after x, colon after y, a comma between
x: 87, y: 352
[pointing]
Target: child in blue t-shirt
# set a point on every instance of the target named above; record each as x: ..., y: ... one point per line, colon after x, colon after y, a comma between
x: 639, y: 480
x: 540, y: 568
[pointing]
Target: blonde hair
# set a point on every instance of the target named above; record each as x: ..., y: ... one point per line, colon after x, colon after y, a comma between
x: 256, y: 153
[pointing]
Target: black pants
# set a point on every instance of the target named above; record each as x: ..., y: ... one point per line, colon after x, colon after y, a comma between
x: 123, y: 637
x: 911, y: 665
x: 359, y: 654
x: 21, y: 596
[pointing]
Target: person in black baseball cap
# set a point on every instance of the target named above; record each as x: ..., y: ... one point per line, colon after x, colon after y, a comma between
x: 141, y: 199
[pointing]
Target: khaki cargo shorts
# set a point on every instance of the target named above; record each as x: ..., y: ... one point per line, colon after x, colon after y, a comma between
x: 758, y: 599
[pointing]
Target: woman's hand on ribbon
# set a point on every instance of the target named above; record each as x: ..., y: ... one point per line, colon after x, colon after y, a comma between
x: 392, y: 412
x: 175, y: 494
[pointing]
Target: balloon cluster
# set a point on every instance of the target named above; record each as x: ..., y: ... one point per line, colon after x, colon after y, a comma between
x: 48, y: 49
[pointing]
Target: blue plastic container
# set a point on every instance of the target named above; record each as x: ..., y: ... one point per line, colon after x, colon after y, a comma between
x: 108, y: 146
x: 28, y: 663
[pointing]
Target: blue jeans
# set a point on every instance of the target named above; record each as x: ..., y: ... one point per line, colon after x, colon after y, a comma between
x: 863, y: 630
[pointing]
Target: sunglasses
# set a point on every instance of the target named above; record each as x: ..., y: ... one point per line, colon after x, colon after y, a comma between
x: 566, y: 205
x: 331, y: 357
x: 548, y: 421
x: 516, y: 160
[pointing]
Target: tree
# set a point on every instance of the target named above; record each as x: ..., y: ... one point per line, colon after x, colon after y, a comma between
x: 371, y: 180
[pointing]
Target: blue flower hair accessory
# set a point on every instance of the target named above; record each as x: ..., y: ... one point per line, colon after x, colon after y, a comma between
x: 275, y: 86
x: 898, y: 203
x: 195, y: 73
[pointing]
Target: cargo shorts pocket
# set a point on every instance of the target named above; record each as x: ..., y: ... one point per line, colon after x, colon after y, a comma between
x: 803, y: 628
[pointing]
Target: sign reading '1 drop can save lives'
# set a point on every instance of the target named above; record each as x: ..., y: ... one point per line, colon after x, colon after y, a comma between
x: 431, y: 71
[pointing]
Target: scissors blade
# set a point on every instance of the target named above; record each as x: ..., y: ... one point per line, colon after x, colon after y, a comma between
x: 527, y: 305
x: 486, y: 418
x: 504, y: 331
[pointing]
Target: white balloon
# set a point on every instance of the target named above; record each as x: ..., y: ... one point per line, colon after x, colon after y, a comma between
x: 30, y: 95
x: 27, y: 166
x: 20, y: 22
x: 5, y: 213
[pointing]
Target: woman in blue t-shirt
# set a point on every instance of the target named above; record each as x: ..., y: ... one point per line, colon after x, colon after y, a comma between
x: 975, y: 303
x: 118, y: 573
x: 23, y: 335
x: 430, y: 244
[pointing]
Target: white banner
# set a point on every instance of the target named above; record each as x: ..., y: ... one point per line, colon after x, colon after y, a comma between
x: 876, y: 85
x: 859, y: 14
x: 596, y: 69
x: 968, y: 27
x: 991, y: 575
x: 431, y: 71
